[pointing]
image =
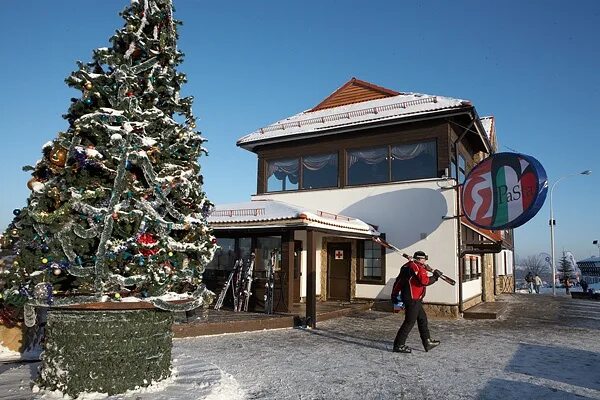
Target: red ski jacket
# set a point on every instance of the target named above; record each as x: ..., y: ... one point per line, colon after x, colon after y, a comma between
x: 412, y: 281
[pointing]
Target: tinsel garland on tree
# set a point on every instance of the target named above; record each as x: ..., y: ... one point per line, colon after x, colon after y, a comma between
x: 117, y: 207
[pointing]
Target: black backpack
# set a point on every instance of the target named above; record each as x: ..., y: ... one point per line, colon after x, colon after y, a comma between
x: 399, y: 283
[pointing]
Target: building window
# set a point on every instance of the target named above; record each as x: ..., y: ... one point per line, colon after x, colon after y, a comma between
x: 372, y: 262
x: 282, y: 175
x: 224, y: 256
x: 268, y: 250
x: 462, y: 169
x: 308, y: 172
x: 414, y: 161
x: 320, y: 171
x: 470, y: 267
x: 466, y: 269
x: 368, y: 166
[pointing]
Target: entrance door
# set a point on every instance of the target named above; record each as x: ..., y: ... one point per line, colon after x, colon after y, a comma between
x: 297, y: 270
x: 338, y: 271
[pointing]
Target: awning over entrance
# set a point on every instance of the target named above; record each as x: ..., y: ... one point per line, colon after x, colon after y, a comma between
x: 257, y: 216
x: 261, y: 214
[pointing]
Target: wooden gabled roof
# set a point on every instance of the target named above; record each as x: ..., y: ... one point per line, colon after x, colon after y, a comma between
x: 354, y: 91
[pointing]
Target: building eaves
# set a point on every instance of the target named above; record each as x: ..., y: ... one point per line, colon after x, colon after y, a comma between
x: 312, y: 123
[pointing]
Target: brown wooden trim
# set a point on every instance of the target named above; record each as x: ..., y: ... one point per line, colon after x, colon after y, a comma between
x: 261, y: 181
x: 354, y: 91
x: 118, y: 305
x: 287, y: 257
x: 200, y: 329
x: 360, y: 254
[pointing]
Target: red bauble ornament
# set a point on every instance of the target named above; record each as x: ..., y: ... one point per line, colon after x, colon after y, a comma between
x: 147, y: 243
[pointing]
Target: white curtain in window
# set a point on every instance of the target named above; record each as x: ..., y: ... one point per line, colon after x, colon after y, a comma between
x: 409, y: 151
x: 368, y: 156
x: 288, y: 166
x: 315, y: 163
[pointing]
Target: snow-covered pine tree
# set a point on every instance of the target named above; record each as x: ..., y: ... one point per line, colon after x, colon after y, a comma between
x: 117, y: 206
x: 565, y: 267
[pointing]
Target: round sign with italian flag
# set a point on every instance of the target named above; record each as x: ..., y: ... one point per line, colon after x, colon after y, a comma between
x: 504, y: 191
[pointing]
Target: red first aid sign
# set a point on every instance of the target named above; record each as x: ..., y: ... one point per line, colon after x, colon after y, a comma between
x: 339, y: 254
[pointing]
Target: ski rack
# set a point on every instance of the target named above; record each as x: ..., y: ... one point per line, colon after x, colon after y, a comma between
x: 245, y: 285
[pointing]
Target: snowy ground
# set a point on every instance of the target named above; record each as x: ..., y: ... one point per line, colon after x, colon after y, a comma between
x: 543, y: 347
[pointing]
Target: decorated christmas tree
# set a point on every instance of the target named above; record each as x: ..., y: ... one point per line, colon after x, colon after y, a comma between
x: 116, y: 207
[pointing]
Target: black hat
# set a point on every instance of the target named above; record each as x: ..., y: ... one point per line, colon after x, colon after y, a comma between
x: 420, y: 254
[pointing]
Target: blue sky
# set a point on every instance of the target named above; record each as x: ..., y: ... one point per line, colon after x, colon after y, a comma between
x: 533, y: 65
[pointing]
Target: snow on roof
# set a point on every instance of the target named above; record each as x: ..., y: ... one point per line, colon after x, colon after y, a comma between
x: 386, y: 109
x: 487, y: 123
x: 269, y: 213
x: 592, y: 259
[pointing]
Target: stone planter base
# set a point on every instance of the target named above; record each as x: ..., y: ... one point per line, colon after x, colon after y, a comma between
x: 105, y: 351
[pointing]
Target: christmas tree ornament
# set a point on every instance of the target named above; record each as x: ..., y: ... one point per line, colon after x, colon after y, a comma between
x: 58, y: 156
x: 31, y: 182
x: 57, y: 271
x: 88, y: 85
x: 42, y: 291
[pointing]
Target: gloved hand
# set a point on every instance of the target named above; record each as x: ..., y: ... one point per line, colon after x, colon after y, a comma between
x: 432, y: 279
x: 437, y: 273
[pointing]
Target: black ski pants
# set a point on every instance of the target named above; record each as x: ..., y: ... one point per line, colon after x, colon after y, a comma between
x: 413, y: 312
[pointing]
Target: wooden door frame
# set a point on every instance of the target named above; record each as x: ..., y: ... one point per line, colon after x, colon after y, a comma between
x: 347, y: 245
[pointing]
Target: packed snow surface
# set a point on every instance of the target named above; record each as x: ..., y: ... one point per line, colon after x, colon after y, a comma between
x: 542, y: 347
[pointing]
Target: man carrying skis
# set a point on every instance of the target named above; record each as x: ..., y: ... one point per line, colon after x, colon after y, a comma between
x: 412, y: 281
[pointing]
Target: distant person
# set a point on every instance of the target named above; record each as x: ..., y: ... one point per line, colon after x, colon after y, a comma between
x: 537, y: 281
x: 584, y: 286
x: 413, y: 279
x: 529, y: 279
x: 567, y: 285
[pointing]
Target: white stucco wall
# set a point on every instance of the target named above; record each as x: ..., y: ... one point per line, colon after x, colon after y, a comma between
x: 504, y: 262
x: 471, y: 289
x: 409, y: 213
x: 301, y: 235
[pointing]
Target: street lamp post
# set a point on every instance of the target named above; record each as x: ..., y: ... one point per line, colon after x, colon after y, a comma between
x: 553, y: 222
x: 598, y: 245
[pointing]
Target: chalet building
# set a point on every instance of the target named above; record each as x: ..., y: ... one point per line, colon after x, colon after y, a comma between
x: 590, y: 269
x: 367, y: 161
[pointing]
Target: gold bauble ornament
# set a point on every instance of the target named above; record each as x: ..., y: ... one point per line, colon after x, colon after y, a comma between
x: 88, y: 85
x: 31, y: 182
x: 57, y: 271
x: 58, y: 156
